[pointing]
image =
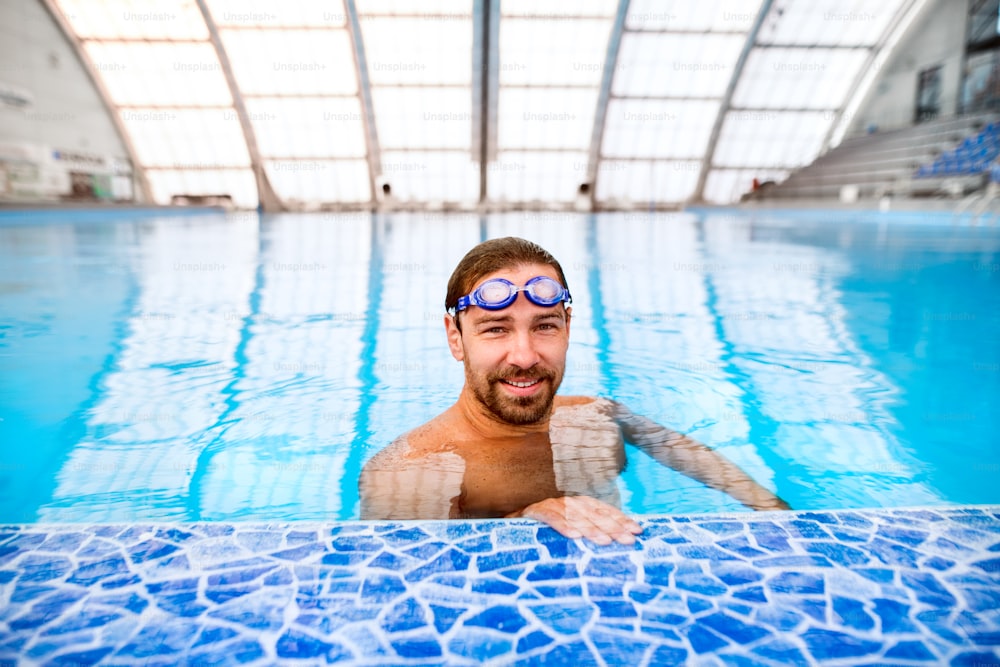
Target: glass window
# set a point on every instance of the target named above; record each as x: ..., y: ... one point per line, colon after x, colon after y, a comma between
x: 270, y: 14
x: 180, y: 138
x: 776, y: 78
x: 658, y: 128
x: 526, y: 176
x: 827, y: 22
x: 319, y: 181
x: 313, y: 127
x: 418, y: 51
x: 423, y: 117
x: 771, y: 139
x: 685, y: 15
x: 134, y: 19
x: 160, y: 74
x: 642, y: 182
x: 671, y: 65
x: 239, y: 184
x: 724, y: 186
x: 435, y: 176
x: 291, y: 62
x: 546, y: 117
x: 553, y: 53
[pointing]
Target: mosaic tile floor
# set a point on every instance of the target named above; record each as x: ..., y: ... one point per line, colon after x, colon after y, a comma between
x: 848, y: 587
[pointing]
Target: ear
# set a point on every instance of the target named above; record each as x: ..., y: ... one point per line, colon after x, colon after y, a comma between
x: 454, y: 337
x: 569, y: 315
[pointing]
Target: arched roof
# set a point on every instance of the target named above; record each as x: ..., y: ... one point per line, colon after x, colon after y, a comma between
x: 322, y: 102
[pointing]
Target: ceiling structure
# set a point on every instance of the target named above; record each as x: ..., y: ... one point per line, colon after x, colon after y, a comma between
x: 469, y: 103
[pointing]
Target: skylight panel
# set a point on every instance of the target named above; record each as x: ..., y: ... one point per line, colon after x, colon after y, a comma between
x: 134, y: 19
x: 292, y: 62
x: 827, y: 22
x: 318, y: 180
x: 237, y: 183
x: 648, y: 182
x: 658, y: 128
x: 447, y: 9
x: 312, y: 127
x: 685, y: 15
x: 771, y: 139
x: 186, y: 138
x: 152, y: 74
x: 558, y: 8
x: 546, y: 117
x: 270, y: 14
x: 417, y: 51
x: 669, y: 65
x: 726, y: 186
x: 423, y: 117
x: 816, y: 78
x: 431, y: 176
x: 539, y: 177
x: 553, y: 53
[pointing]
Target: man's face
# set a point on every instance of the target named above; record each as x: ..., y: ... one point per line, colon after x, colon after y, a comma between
x: 514, y: 358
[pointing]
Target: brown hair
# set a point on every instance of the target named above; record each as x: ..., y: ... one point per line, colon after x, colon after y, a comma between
x: 492, y: 256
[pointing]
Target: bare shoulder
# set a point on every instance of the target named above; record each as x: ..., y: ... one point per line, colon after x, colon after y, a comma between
x: 410, y: 446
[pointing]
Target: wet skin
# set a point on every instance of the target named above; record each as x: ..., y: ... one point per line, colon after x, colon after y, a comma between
x: 510, y: 447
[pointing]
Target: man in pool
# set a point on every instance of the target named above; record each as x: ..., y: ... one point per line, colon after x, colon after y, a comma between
x: 510, y: 447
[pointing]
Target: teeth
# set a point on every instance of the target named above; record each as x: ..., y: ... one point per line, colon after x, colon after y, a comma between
x: 521, y: 385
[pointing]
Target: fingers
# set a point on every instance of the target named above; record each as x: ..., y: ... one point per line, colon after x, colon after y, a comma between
x: 582, y: 516
x: 599, y: 522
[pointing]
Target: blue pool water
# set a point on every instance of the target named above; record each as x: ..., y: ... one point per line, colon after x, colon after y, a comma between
x: 231, y: 368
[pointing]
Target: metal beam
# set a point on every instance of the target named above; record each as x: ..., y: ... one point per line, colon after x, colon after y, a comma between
x: 815, y: 47
x: 267, y: 200
x: 666, y: 98
x: 138, y: 173
x: 374, y: 150
x: 603, y: 98
x: 675, y: 31
x: 485, y: 87
x: 727, y: 98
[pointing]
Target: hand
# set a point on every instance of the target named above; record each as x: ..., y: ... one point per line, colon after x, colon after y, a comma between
x: 583, y: 516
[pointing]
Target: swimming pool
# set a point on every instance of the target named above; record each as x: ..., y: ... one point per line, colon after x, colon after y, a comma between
x: 230, y: 367
x: 186, y: 403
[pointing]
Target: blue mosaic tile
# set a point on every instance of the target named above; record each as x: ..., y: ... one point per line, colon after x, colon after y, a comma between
x: 741, y: 545
x: 851, y: 613
x: 703, y: 640
x: 826, y: 644
x: 799, y: 583
x: 781, y: 651
x: 859, y: 587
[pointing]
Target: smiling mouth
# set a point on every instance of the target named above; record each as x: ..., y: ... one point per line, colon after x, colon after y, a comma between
x: 522, y: 385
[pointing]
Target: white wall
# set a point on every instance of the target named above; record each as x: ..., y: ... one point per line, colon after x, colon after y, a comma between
x: 937, y: 37
x: 67, y: 113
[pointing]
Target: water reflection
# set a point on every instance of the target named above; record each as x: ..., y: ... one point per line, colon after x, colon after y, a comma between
x: 213, y: 368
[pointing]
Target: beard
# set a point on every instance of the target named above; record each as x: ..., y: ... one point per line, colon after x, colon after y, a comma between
x: 516, y: 410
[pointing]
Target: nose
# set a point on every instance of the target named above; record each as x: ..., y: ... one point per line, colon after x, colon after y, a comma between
x: 522, y: 352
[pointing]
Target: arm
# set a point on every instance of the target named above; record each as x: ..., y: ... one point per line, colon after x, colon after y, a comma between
x: 676, y: 450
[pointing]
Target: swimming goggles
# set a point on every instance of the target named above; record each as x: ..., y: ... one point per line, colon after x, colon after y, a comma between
x: 498, y: 293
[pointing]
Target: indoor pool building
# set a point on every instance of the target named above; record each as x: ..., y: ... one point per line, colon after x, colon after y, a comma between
x: 507, y: 332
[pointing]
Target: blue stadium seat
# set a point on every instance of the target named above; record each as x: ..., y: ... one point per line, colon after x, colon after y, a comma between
x: 973, y: 155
